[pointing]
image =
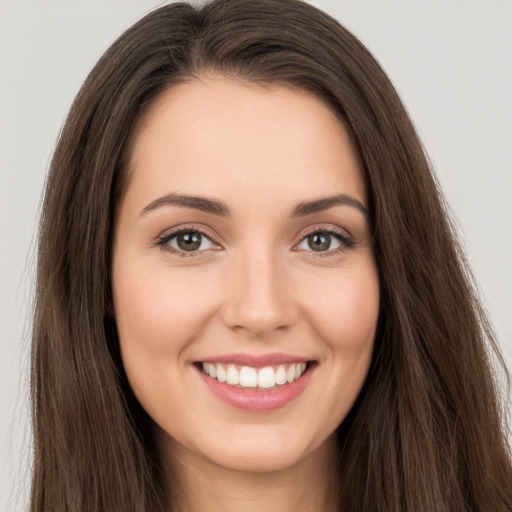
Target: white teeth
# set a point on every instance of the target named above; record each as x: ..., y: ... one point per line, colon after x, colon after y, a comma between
x: 248, y: 377
x: 281, y: 375
x: 233, y: 377
x: 221, y: 374
x: 266, y: 378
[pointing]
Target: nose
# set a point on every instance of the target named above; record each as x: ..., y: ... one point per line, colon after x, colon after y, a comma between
x: 258, y: 295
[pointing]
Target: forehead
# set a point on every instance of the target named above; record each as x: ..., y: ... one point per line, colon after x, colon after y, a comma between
x: 217, y: 135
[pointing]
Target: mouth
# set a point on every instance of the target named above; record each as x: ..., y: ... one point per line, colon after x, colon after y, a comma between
x: 256, y: 384
x: 249, y: 377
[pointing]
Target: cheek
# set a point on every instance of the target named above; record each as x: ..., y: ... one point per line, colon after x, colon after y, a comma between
x: 158, y: 314
x: 159, y: 310
x: 344, y: 310
x: 344, y: 313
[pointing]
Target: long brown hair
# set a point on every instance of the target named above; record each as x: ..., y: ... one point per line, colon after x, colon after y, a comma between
x: 427, y: 431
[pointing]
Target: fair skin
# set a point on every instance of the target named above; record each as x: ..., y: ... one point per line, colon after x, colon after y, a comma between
x: 252, y: 279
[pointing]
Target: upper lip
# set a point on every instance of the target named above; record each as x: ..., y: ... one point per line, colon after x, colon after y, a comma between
x: 256, y: 361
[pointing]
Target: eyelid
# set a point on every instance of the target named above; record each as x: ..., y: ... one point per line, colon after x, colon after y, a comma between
x: 345, y: 238
x: 342, y: 235
x: 162, y: 239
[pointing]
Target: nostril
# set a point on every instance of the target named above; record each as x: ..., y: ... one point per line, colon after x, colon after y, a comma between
x: 258, y: 297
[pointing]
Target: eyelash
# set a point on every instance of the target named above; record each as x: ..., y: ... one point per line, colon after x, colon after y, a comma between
x: 346, y: 242
x: 164, y: 240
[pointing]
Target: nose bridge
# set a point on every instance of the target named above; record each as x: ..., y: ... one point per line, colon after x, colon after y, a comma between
x: 257, y: 295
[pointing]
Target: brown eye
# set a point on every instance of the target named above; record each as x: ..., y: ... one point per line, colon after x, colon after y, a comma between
x: 319, y: 241
x: 186, y: 241
x: 190, y: 241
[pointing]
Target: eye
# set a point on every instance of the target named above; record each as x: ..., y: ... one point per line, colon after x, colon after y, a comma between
x: 186, y: 241
x: 327, y: 241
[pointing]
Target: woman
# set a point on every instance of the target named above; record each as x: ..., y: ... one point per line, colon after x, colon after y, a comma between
x: 248, y: 293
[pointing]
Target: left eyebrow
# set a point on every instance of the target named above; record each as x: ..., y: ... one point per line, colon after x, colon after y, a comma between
x: 320, y: 205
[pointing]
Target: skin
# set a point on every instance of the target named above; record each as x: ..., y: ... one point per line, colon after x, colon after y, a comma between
x: 257, y: 287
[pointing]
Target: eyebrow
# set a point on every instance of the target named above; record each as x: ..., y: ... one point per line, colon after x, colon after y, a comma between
x: 220, y: 208
x: 320, y: 205
x: 198, y: 203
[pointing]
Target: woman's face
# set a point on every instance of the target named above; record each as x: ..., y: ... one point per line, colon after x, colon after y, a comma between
x: 245, y: 287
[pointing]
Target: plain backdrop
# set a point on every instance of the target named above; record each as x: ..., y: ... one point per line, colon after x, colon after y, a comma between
x: 450, y: 60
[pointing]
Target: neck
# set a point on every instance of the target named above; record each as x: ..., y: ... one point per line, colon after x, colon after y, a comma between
x: 307, y: 486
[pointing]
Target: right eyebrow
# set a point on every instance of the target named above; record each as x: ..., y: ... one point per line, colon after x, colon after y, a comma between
x: 198, y: 203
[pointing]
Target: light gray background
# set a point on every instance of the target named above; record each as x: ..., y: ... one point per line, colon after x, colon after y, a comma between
x: 450, y: 60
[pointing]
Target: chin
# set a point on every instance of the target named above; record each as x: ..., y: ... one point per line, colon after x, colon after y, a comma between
x: 257, y: 461
x: 265, y: 452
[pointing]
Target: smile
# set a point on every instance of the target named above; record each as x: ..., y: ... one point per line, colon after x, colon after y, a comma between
x: 256, y: 383
x: 264, y: 378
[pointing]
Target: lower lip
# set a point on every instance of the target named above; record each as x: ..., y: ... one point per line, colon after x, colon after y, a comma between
x: 258, y: 401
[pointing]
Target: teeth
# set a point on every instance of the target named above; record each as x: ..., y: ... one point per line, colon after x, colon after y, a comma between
x: 233, y: 376
x: 266, y: 378
x: 248, y: 377
x: 281, y: 375
x: 290, y: 374
x: 222, y: 375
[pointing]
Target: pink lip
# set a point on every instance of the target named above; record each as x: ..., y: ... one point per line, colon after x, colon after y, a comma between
x: 256, y: 361
x: 253, y: 400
